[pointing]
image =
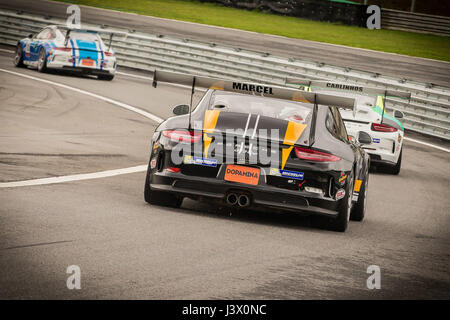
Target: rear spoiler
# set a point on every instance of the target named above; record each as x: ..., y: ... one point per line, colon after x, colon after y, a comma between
x: 264, y: 90
x: 111, y: 33
x: 354, y: 88
x: 245, y: 87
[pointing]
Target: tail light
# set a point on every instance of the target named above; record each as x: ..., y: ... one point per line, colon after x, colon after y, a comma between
x: 173, y: 169
x: 182, y: 135
x: 383, y: 127
x: 64, y: 49
x: 314, y: 155
x: 109, y: 54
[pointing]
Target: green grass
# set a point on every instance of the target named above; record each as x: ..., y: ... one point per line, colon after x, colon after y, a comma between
x: 407, y: 43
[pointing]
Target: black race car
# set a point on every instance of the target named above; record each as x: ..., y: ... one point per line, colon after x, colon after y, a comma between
x: 264, y: 147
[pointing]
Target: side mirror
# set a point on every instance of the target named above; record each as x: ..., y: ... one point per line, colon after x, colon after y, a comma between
x: 398, y: 114
x: 30, y: 36
x: 181, y: 109
x: 364, y: 138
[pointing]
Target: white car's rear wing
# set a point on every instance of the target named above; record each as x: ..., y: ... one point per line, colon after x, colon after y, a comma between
x: 352, y: 88
x: 244, y: 87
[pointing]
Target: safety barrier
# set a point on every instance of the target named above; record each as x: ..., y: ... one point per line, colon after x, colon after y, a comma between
x: 428, y: 112
x: 417, y: 22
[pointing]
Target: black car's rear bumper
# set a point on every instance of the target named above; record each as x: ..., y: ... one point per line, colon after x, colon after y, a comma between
x: 261, y: 196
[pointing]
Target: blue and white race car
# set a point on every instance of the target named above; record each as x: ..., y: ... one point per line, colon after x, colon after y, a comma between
x: 369, y: 116
x: 57, y: 47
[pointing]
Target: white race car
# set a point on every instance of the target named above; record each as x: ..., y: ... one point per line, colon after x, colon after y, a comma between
x: 58, y: 47
x: 369, y: 115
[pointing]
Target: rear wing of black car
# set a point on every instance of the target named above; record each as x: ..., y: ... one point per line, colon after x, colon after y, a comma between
x: 249, y: 88
x: 245, y: 87
x: 351, y: 88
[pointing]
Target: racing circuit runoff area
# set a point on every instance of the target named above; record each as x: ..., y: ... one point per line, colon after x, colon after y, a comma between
x: 128, y: 249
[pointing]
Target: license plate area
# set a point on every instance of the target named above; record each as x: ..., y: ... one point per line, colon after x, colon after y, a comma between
x: 242, y: 174
x: 87, y: 62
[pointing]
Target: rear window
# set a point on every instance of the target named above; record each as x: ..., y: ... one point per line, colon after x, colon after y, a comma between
x: 275, y: 108
x: 85, y: 36
x: 79, y: 35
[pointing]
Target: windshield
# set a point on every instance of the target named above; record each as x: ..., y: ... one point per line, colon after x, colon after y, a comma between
x: 275, y: 108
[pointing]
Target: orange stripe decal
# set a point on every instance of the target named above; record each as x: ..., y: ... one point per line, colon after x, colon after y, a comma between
x: 209, y: 124
x: 293, y: 132
x: 357, y: 185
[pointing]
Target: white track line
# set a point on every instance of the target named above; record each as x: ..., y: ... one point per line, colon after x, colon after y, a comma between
x: 86, y: 176
x: 75, y: 177
x: 427, y: 144
x: 94, y: 95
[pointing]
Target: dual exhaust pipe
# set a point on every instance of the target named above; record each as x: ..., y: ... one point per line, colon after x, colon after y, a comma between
x: 242, y: 200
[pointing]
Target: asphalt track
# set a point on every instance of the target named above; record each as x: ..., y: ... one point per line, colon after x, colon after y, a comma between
x: 399, y: 66
x: 129, y: 249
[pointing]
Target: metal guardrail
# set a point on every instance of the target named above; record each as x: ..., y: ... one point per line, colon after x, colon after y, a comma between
x: 417, y: 22
x: 428, y: 112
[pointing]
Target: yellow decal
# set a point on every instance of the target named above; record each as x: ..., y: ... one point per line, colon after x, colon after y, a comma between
x: 380, y: 102
x: 293, y: 132
x: 219, y: 85
x: 209, y: 124
x: 298, y: 96
x: 357, y: 185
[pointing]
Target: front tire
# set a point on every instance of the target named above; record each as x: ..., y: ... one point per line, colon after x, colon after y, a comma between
x: 18, y: 58
x: 42, y: 61
x: 339, y: 223
x: 359, y: 209
x: 160, y: 198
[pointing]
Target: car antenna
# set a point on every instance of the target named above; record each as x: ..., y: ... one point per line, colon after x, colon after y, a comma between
x: 67, y: 37
x: 313, y: 122
x: 190, y: 104
x: 110, y: 40
x: 384, y: 105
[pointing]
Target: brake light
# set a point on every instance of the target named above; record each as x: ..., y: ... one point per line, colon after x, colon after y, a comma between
x: 64, y: 49
x: 182, y: 135
x: 173, y: 169
x: 383, y: 127
x: 109, y: 54
x: 314, y: 155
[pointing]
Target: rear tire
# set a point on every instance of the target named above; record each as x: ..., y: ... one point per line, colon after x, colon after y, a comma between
x: 359, y: 209
x: 396, y: 168
x: 18, y: 58
x: 107, y: 77
x: 160, y: 198
x: 339, y: 223
x: 42, y: 61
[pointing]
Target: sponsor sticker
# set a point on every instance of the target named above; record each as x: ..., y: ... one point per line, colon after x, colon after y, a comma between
x: 153, y: 163
x: 200, y: 161
x: 286, y: 173
x: 340, y: 194
x: 342, y: 178
x: 241, y: 174
x: 357, y: 185
x: 87, y: 62
x: 376, y: 140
